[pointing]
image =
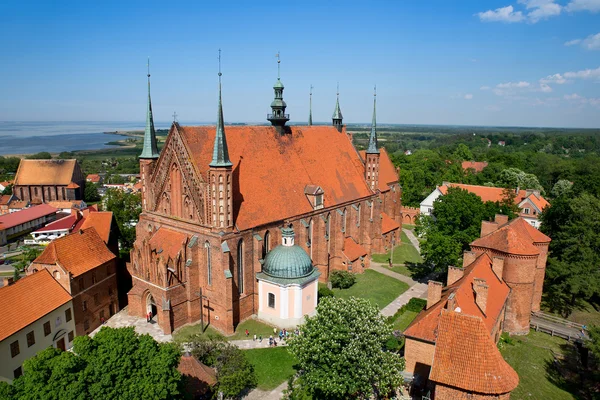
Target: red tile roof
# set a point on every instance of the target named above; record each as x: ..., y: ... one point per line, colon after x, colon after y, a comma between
x: 4, y: 199
x: 466, y: 357
x: 78, y: 204
x: 199, y: 377
x: 77, y: 253
x: 485, y: 192
x: 515, y: 237
x: 72, y: 185
x: 23, y: 216
x: 94, y: 178
x: 45, y: 172
x: 61, y: 224
x: 425, y: 326
x: 353, y: 250
x: 102, y: 221
x: 477, y: 166
x: 18, y: 204
x: 539, y: 202
x: 29, y: 299
x: 167, y: 243
x: 388, y: 224
x: 272, y: 168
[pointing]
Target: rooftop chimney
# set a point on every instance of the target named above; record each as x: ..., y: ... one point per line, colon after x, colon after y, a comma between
x: 454, y: 274
x: 434, y: 292
x: 8, y: 281
x: 451, y: 305
x: 498, y: 266
x: 468, y: 258
x: 501, y: 219
x: 481, y: 293
x: 488, y: 227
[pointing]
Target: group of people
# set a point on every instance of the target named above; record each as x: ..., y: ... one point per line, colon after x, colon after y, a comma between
x: 283, y: 335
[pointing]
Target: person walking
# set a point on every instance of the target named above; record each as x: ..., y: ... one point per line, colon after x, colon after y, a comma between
x: 254, y: 338
x: 247, y: 333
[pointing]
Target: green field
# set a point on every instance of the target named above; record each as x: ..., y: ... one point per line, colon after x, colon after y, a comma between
x: 404, y: 320
x: 273, y: 366
x: 531, y: 357
x: 253, y: 326
x: 403, y: 253
x: 375, y: 287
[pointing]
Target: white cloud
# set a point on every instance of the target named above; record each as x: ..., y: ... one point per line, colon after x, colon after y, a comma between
x: 583, y: 74
x: 545, y: 88
x: 484, y: 88
x: 584, y: 5
x: 573, y: 42
x: 591, y: 42
x: 502, y: 14
x: 468, y: 96
x: 509, y: 85
x: 572, y: 97
x: 556, y: 78
x: 580, y: 100
x: 541, y: 9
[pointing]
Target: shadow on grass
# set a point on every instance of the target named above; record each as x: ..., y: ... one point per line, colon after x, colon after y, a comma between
x: 575, y: 371
x: 421, y: 272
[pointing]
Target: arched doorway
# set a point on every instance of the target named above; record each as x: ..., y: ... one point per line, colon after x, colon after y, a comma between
x: 150, y: 305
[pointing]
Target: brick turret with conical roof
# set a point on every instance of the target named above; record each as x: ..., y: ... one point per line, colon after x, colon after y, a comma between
x: 149, y: 151
x: 372, y: 153
x: 220, y: 172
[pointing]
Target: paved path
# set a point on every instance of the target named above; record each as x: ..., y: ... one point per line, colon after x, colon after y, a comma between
x: 416, y: 289
x: 123, y: 319
x: 413, y: 239
x: 251, y: 344
x: 275, y: 394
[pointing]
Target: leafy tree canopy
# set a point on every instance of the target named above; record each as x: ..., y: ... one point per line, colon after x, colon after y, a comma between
x: 7, y: 190
x: 44, y: 155
x: 341, y: 354
x: 572, y: 272
x: 562, y: 187
x: 126, y: 207
x: 514, y: 177
x: 91, y: 193
x: 462, y: 153
x: 115, y: 364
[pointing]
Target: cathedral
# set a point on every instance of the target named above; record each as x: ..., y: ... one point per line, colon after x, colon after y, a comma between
x: 216, y: 200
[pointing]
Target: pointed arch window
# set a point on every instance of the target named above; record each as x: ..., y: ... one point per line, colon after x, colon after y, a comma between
x: 309, y: 233
x: 208, y: 263
x: 240, y: 266
x: 267, y: 244
x: 327, y: 226
x: 344, y: 214
x: 358, y: 216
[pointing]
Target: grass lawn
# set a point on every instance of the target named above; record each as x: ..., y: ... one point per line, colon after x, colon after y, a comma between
x: 185, y: 331
x: 254, y: 327
x: 402, y: 322
x: 409, y: 227
x: 375, y: 287
x: 529, y: 357
x: 587, y: 315
x: 273, y: 366
x: 404, y: 253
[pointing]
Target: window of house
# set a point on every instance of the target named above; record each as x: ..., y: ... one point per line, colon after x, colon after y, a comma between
x: 318, y: 200
x: 309, y: 233
x: 526, y: 210
x: 35, y: 191
x: 14, y: 349
x: 71, y: 336
x: 96, y: 299
x: 58, y: 322
x: 86, y: 325
x: 68, y: 315
x: 267, y: 244
x: 327, y: 226
x: 271, y: 300
x: 208, y: 262
x: 56, y: 275
x: 240, y: 269
x: 47, y: 328
x: 18, y: 372
x: 84, y: 305
x: 30, y: 339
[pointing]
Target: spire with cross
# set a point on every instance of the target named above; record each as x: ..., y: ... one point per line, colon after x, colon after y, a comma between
x: 278, y: 118
x: 372, y: 149
x: 220, y: 152
x: 337, y: 112
x: 150, y: 149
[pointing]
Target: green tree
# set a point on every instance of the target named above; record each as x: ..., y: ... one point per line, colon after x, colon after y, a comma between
x: 126, y: 207
x: 594, y: 344
x: 7, y: 190
x: 456, y: 222
x: 341, y: 354
x: 43, y: 155
x: 115, y: 364
x: 514, y: 177
x: 235, y: 374
x: 572, y: 273
x: 91, y: 193
x: 463, y: 153
x: 561, y: 187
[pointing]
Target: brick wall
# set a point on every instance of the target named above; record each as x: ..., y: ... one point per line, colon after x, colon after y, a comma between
x: 410, y: 215
x: 418, y: 356
x: 443, y: 392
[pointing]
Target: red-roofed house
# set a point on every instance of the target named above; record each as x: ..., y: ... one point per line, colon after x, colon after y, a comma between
x: 94, y: 178
x: 82, y: 263
x: 19, y: 223
x: 219, y: 196
x: 474, y: 166
x: 530, y: 202
x: 37, y: 313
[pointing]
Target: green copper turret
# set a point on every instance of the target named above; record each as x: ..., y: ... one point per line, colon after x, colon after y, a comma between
x: 372, y: 149
x: 337, y: 113
x: 220, y: 153
x: 150, y: 149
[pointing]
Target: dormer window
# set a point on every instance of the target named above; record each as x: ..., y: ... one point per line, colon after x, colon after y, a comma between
x: 314, y: 194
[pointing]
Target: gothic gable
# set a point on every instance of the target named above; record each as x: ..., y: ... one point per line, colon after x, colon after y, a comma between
x: 177, y: 188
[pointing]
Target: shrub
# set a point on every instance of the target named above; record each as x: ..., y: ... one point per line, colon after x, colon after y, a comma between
x: 392, y: 344
x: 342, y: 279
x: 415, y: 304
x: 324, y: 292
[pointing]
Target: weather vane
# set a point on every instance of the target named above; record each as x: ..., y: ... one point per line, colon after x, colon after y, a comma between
x: 338, y: 88
x: 311, y: 88
x: 174, y: 116
x: 278, y: 65
x: 220, y: 65
x: 148, y: 65
x: 375, y: 90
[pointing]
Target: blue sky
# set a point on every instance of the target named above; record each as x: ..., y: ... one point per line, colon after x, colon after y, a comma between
x: 508, y: 62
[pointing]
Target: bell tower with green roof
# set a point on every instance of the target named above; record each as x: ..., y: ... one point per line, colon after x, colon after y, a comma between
x: 149, y: 151
x: 278, y: 117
